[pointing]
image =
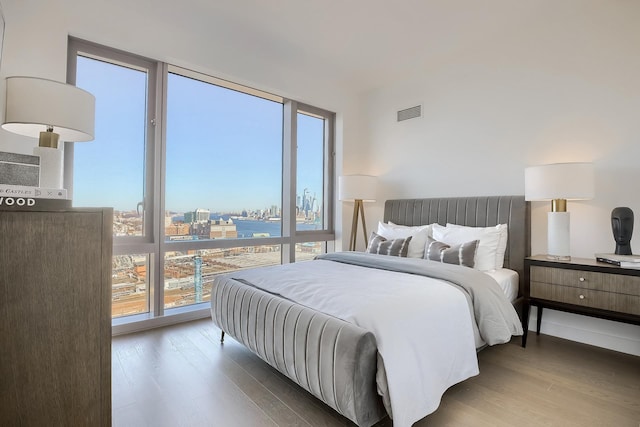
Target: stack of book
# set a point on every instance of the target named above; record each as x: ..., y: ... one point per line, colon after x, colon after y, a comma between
x: 13, y: 197
x: 626, y: 261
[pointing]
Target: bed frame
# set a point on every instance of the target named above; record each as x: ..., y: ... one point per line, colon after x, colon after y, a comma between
x: 334, y: 360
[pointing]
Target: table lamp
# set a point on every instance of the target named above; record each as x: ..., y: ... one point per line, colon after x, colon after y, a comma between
x: 357, y: 188
x: 558, y: 183
x: 51, y: 111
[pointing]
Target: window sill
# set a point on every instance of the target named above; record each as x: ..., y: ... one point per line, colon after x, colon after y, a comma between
x: 145, y: 321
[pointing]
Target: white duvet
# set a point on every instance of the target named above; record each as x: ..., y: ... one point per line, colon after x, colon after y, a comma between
x: 423, y: 354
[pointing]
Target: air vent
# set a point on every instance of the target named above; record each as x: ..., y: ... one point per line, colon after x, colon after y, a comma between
x: 410, y: 113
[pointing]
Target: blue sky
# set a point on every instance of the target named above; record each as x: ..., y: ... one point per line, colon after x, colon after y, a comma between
x: 224, y: 148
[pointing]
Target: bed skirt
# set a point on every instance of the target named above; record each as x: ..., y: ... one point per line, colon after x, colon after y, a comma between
x: 332, y: 359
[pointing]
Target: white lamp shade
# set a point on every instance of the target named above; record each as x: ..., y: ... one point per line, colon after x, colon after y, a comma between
x: 570, y: 181
x: 357, y: 187
x: 34, y: 103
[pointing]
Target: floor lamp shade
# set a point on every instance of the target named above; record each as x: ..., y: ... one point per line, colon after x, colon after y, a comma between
x: 357, y: 188
x: 558, y: 183
x: 51, y: 111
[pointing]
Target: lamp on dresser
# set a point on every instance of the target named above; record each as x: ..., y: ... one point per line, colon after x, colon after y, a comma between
x: 559, y: 182
x: 359, y: 189
x: 50, y: 111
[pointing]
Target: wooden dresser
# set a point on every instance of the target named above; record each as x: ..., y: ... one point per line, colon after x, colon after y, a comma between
x: 582, y: 286
x: 55, y: 317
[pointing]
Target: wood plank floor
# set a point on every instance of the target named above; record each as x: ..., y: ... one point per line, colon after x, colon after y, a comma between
x: 181, y: 376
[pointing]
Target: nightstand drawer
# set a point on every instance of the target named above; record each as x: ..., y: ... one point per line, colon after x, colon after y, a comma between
x: 610, y: 301
x: 629, y: 285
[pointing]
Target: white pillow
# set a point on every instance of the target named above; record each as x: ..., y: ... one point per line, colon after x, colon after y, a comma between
x: 503, y: 229
x: 437, y: 228
x: 493, y: 242
x: 419, y: 235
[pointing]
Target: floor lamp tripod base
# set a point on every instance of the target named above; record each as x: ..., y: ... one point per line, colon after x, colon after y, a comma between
x: 358, y: 210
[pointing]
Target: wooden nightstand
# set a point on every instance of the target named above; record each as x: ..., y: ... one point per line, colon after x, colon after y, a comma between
x: 582, y: 286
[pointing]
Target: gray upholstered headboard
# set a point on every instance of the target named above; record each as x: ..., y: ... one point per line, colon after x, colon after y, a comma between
x: 474, y: 212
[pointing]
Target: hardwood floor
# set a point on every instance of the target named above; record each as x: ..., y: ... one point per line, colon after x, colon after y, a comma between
x: 181, y: 376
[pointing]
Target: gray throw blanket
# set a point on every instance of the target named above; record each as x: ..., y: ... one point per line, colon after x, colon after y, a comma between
x: 496, y: 318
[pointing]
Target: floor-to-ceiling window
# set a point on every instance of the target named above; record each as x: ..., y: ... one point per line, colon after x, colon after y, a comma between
x: 205, y: 176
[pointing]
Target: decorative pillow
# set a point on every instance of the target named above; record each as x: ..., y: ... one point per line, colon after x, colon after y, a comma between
x: 418, y: 235
x: 487, y: 254
x: 502, y: 229
x: 383, y: 246
x: 462, y: 254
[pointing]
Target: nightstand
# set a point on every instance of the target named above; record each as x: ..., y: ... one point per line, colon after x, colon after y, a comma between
x: 582, y: 286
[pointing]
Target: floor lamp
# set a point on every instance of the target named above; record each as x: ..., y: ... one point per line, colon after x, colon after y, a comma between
x: 359, y: 189
x: 558, y: 183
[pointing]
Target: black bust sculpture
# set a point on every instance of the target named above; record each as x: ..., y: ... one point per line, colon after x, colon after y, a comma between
x: 622, y: 226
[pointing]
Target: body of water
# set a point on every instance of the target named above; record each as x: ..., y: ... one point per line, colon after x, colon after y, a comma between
x: 249, y: 227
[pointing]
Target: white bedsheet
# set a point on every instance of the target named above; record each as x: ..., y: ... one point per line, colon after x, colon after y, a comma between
x: 422, y: 326
x: 508, y: 280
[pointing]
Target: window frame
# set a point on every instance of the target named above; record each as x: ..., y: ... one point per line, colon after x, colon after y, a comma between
x: 153, y: 240
x: 152, y: 132
x: 328, y: 164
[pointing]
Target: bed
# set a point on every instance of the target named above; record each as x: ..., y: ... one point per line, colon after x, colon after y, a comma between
x: 367, y: 354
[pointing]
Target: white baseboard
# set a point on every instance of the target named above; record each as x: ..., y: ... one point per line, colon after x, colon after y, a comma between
x: 617, y: 336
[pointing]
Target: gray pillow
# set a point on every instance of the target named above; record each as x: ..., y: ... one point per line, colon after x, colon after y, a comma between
x: 462, y: 254
x: 383, y: 246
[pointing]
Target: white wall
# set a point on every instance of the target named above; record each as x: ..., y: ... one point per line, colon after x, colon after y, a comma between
x: 562, y: 86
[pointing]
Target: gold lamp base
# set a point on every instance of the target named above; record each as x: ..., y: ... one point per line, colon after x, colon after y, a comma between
x: 48, y: 139
x: 559, y: 205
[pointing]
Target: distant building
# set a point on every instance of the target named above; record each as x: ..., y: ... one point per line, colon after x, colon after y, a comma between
x: 306, y: 206
x: 177, y: 229
x: 200, y: 229
x: 197, y: 225
x: 167, y: 220
x: 197, y: 216
x: 221, y: 229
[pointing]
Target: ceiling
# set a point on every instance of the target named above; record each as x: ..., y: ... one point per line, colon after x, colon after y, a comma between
x: 347, y: 44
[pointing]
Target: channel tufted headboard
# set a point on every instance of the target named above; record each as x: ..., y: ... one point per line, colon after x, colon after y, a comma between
x: 474, y: 212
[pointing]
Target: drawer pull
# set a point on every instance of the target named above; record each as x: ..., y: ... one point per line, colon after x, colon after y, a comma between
x: 581, y: 296
x: 581, y: 279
